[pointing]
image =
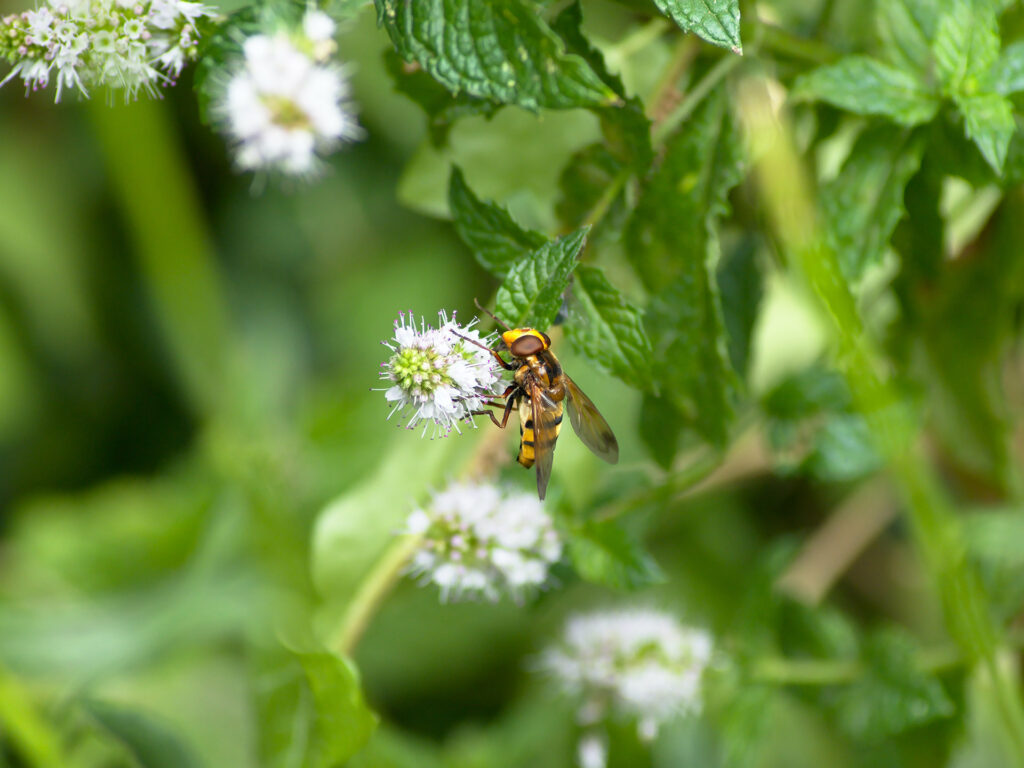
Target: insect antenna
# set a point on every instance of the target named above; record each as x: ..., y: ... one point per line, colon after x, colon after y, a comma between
x: 472, y: 341
x: 493, y: 316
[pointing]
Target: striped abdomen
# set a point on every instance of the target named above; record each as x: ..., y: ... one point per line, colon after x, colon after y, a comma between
x: 528, y: 431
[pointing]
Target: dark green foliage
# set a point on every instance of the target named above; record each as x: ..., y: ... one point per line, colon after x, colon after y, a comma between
x: 151, y: 743
x: 604, y: 326
x: 894, y: 695
x: 814, y: 427
x: 500, y: 51
x: 494, y: 238
x: 673, y: 245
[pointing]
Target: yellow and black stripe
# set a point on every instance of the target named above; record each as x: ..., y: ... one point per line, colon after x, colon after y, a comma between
x: 529, y: 435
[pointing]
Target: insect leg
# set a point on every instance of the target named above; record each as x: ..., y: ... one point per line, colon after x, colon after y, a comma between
x: 510, y: 404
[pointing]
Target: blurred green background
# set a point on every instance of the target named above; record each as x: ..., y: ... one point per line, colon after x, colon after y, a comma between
x: 187, y: 357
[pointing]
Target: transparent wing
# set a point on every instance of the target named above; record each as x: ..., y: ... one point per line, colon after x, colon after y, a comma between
x: 589, y: 424
x: 547, y: 415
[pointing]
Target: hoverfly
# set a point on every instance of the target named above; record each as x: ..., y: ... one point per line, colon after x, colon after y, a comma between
x: 538, y: 391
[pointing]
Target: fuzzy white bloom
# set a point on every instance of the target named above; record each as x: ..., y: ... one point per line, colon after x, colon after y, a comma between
x: 437, y: 376
x: 592, y: 751
x: 86, y: 43
x: 286, y: 105
x: 636, y: 663
x: 479, y: 540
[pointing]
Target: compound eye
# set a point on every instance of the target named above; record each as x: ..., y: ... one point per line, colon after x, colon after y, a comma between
x: 547, y: 340
x: 525, y: 346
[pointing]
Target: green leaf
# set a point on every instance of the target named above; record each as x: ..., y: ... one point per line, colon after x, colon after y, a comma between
x: 989, y: 123
x: 675, y: 218
x: 354, y: 530
x: 441, y: 107
x: 672, y: 242
x: 813, y: 427
x: 864, y: 203
x: 531, y: 295
x: 627, y: 131
x: 661, y: 425
x: 582, y: 185
x: 717, y: 21
x: 311, y: 710
x: 994, y: 536
x: 605, y: 553
x: 895, y: 695
x: 967, y: 405
x: 866, y: 86
x: 494, y: 238
x: 844, y: 450
x: 1007, y: 74
x: 149, y: 741
x: 740, y: 283
x: 966, y: 45
x: 906, y: 28
x: 500, y: 50
x: 607, y: 328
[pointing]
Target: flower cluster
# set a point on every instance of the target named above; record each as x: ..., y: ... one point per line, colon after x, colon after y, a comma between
x: 85, y: 43
x: 478, y: 540
x: 637, y: 663
x: 436, y: 375
x: 286, y: 102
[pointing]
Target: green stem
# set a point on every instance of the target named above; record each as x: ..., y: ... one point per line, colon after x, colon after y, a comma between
x: 935, y: 526
x: 607, y: 198
x: 149, y: 178
x: 694, y: 97
x: 792, y: 46
x: 782, y: 671
x: 639, y: 38
x: 371, y: 593
x: 29, y: 733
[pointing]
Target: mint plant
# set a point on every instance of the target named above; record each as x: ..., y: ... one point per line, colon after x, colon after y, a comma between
x: 776, y: 242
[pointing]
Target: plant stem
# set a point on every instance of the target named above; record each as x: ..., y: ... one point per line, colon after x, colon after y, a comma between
x: 171, y: 242
x: 782, y: 671
x: 638, y: 39
x: 371, y: 593
x: 787, y: 44
x: 788, y: 199
x: 694, y: 97
x: 604, y: 203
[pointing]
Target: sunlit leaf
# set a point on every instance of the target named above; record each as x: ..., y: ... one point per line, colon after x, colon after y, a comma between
x: 717, y: 21
x: 499, y: 50
x: 866, y: 86
x: 532, y: 292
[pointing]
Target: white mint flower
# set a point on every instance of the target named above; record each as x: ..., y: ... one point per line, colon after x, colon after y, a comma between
x: 88, y: 43
x: 592, y: 751
x: 284, y: 106
x: 636, y: 663
x: 435, y: 375
x: 481, y: 541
